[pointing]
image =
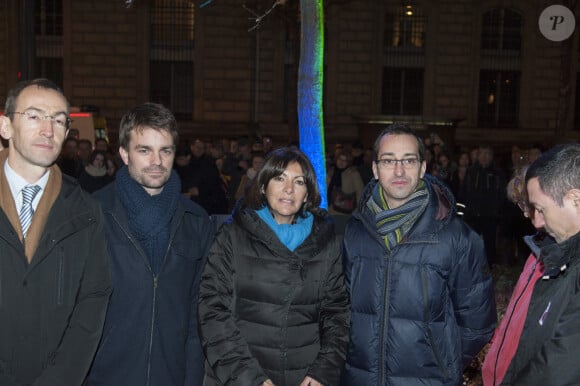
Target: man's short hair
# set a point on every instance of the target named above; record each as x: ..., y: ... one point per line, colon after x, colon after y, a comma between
x: 14, y: 93
x: 557, y: 171
x: 147, y: 115
x: 398, y: 129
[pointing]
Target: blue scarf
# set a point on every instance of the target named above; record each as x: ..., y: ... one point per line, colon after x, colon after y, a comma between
x: 291, y: 235
x: 149, y: 216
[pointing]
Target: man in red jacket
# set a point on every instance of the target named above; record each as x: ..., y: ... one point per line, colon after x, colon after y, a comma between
x: 545, y: 345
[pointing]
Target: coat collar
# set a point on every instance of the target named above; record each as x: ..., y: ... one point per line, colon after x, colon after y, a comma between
x: 558, y: 257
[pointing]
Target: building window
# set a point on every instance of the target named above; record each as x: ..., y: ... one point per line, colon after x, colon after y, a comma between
x: 402, y: 91
x: 171, y: 61
x: 48, y: 40
x: 48, y: 17
x: 49, y: 68
x: 172, y: 86
x: 403, y: 63
x: 498, y: 98
x: 499, y: 76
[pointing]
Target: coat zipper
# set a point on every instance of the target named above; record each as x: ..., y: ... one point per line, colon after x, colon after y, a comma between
x: 382, y: 362
x: 155, y: 280
x: 151, y: 330
x: 60, y: 280
x: 155, y: 284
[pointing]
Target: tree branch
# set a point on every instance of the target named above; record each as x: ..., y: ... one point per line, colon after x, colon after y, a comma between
x: 258, y: 18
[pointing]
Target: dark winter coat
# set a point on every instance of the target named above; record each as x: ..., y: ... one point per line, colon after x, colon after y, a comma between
x: 150, y: 335
x: 52, y: 311
x: 269, y: 313
x: 483, y: 192
x: 549, y: 347
x: 423, y: 310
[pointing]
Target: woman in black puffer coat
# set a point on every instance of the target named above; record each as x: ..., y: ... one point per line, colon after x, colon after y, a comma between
x: 273, y: 308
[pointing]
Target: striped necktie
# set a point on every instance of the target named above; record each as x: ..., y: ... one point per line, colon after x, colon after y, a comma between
x: 26, y: 212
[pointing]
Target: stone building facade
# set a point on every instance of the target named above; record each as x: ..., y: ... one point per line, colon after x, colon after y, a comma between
x: 241, y: 80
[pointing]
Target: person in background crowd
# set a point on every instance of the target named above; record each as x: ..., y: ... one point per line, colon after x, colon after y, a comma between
x: 474, y: 156
x: 207, y: 189
x: 484, y: 194
x: 430, y: 163
x: 445, y: 168
x: 345, y: 185
x: 458, y: 177
x: 268, y: 144
x: 113, y: 159
x: 73, y: 133
x: 257, y: 146
x: 539, y: 341
x: 158, y: 242
x: 273, y: 309
x: 251, y: 173
x: 244, y: 154
x: 54, y: 272
x: 421, y: 292
x: 111, y: 166
x: 366, y: 169
x: 84, y: 151
x: 182, y: 167
x: 101, y: 144
x: 69, y: 161
x: 357, y: 154
x: 94, y: 176
x: 534, y: 152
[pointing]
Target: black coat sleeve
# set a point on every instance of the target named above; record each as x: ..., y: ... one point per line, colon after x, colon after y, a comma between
x: 334, y: 322
x: 227, y: 353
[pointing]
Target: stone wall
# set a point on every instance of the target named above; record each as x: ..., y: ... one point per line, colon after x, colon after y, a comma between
x: 239, y: 75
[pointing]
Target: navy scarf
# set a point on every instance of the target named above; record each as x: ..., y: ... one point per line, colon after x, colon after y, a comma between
x: 149, y: 216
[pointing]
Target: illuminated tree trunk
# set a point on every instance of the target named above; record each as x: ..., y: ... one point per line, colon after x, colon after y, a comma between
x: 310, y: 71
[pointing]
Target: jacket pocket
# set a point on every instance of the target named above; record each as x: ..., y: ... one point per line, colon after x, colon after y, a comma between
x: 60, y: 280
x: 437, y: 354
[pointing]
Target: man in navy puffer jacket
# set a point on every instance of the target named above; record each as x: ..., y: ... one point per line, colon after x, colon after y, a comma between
x: 421, y: 291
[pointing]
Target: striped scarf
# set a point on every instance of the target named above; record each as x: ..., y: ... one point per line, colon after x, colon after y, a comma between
x: 393, y: 224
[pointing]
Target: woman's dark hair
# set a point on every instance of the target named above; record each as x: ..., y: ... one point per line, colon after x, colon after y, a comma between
x: 94, y: 155
x: 275, y: 164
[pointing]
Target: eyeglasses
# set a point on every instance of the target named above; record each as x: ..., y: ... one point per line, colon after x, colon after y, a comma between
x: 33, y: 117
x: 391, y: 163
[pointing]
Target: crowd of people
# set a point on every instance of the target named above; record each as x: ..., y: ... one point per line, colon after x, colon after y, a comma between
x: 112, y: 271
x: 217, y: 173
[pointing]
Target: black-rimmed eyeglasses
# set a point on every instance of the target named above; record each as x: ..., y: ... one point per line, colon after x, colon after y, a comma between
x: 391, y: 163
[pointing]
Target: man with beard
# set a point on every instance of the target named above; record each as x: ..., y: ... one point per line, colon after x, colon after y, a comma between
x: 158, y: 241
